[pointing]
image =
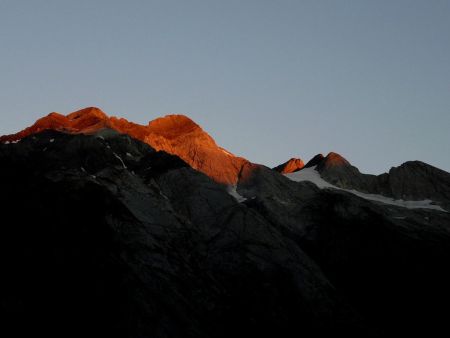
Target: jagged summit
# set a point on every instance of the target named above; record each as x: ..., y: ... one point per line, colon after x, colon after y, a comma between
x: 314, y: 161
x: 334, y: 159
x: 331, y: 160
x: 175, y: 134
x: 293, y: 165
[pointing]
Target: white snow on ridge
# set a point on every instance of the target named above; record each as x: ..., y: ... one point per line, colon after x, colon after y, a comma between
x: 231, y: 189
x: 120, y: 159
x: 11, y: 142
x: 312, y: 175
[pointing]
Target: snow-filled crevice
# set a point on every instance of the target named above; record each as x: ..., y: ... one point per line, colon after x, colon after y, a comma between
x: 231, y: 189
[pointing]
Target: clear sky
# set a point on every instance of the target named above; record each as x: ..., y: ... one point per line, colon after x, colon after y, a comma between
x: 269, y: 80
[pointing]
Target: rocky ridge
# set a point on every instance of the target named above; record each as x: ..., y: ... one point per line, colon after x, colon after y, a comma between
x: 411, y: 181
x: 106, y: 235
x: 175, y: 134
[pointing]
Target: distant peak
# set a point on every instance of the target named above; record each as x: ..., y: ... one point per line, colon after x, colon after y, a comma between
x: 334, y: 159
x: 315, y: 161
x: 89, y: 111
x: 331, y: 160
x: 177, y: 119
x: 173, y: 125
x: 293, y: 165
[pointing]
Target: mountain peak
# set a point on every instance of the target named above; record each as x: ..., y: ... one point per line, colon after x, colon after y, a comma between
x: 293, y: 165
x: 173, y: 125
x: 174, y: 134
x: 315, y: 161
x: 334, y: 160
x: 87, y: 112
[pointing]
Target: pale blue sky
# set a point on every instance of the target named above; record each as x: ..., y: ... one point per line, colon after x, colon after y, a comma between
x: 267, y: 79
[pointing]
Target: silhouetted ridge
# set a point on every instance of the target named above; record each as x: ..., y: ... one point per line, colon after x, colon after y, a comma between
x: 314, y: 161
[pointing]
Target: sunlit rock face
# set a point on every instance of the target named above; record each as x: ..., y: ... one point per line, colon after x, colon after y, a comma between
x: 293, y: 165
x: 175, y: 134
x: 179, y: 135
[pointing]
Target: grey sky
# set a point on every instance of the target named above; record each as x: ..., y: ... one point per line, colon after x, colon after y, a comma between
x: 269, y: 80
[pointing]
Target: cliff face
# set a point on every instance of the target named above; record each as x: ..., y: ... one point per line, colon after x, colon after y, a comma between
x: 175, y: 134
x: 179, y: 135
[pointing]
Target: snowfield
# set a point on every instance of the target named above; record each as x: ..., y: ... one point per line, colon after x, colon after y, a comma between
x: 312, y: 175
x: 233, y: 192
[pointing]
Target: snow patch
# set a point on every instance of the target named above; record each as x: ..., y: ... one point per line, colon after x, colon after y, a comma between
x: 312, y: 175
x: 231, y: 189
x: 121, y: 161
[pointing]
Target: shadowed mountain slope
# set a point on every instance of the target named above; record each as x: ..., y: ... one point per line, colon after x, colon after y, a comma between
x: 105, y: 235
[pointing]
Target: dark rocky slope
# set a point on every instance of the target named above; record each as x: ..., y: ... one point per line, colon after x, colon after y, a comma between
x: 390, y: 262
x: 103, y: 236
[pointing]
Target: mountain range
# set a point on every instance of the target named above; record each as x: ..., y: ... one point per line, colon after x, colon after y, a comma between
x: 111, y: 228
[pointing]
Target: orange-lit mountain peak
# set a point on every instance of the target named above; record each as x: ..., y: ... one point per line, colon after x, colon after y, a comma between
x: 293, y: 165
x: 334, y: 159
x: 52, y: 120
x: 179, y: 135
x: 88, y: 119
x: 87, y: 112
x: 175, y: 134
x: 172, y: 126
